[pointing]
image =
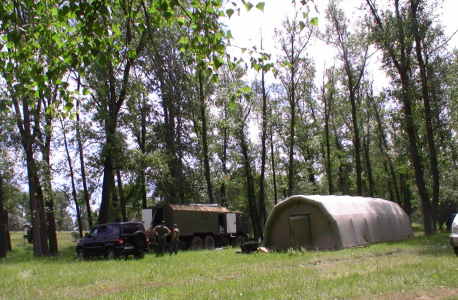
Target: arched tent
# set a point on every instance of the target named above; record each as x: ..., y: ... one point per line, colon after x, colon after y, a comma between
x: 334, y: 222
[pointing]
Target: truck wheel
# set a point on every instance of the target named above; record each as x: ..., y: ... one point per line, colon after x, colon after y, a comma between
x: 81, y: 254
x: 209, y: 243
x: 196, y: 243
x: 110, y: 254
x: 456, y: 250
x: 239, y: 240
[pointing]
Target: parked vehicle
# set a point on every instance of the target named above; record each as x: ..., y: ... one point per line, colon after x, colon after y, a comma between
x: 114, y: 240
x: 29, y: 231
x: 201, y: 225
x: 454, y: 235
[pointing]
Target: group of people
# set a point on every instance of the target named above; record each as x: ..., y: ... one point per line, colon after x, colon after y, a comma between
x: 161, y: 232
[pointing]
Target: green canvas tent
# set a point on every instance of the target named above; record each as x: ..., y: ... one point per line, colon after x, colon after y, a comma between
x: 334, y: 222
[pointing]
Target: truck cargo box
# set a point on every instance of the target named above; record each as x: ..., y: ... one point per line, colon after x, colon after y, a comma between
x: 200, y: 225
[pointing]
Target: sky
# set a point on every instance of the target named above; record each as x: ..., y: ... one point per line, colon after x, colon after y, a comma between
x: 248, y: 27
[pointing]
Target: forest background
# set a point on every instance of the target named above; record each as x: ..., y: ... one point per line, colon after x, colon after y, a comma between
x: 109, y: 107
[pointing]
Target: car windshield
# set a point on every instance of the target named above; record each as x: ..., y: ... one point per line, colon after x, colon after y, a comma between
x: 94, y: 232
x: 131, y: 228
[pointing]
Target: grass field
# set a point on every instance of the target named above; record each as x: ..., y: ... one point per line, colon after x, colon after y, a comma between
x: 422, y: 268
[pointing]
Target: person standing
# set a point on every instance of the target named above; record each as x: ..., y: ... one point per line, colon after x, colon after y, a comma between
x: 161, y: 231
x: 75, y: 234
x: 151, y: 239
x: 174, y: 242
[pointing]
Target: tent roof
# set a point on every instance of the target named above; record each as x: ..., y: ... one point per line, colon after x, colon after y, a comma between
x: 349, y: 205
x: 199, y: 207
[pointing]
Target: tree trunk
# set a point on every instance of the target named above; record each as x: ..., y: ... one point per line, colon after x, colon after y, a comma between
x: 384, y: 151
x: 204, y: 140
x: 115, y: 101
x: 122, y: 200
x: 83, y: 170
x: 37, y: 209
x: 272, y: 156
x: 254, y: 213
x: 144, y: 112
x: 402, y: 66
x: 224, y: 164
x: 46, y: 150
x: 261, y: 196
x: 3, y: 229
x: 72, y: 180
x: 428, y: 120
x: 370, y: 179
x: 292, y: 124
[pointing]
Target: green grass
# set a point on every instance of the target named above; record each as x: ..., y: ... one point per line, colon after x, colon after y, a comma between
x: 422, y: 267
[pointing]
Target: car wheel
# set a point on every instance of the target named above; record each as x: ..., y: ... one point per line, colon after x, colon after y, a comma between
x: 456, y: 250
x: 140, y: 240
x: 196, y: 243
x: 239, y: 240
x: 110, y: 254
x: 209, y: 242
x: 81, y: 254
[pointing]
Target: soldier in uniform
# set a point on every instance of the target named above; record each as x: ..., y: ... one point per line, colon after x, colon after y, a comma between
x: 161, y: 231
x: 151, y: 239
x: 175, y: 240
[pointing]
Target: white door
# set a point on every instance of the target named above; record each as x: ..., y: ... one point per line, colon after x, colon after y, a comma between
x: 147, y: 217
x: 231, y: 223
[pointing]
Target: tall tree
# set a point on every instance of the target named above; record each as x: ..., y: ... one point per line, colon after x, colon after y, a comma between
x: 293, y: 43
x: 353, y: 52
x: 401, y: 34
x: 79, y: 140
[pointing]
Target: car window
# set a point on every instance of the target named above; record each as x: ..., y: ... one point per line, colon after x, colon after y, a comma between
x: 130, y: 228
x: 113, y: 231
x: 102, y: 233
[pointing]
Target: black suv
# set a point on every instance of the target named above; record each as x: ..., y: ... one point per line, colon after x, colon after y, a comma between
x: 114, y: 240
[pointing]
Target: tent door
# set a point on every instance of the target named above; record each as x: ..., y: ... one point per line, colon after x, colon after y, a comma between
x: 301, y: 233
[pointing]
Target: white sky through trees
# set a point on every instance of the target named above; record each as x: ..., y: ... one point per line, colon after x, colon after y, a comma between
x: 248, y: 27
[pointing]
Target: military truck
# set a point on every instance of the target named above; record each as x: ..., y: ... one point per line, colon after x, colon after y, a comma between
x: 202, y: 226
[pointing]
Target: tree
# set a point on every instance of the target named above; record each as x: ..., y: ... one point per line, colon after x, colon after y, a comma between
x: 353, y: 52
x: 293, y: 43
x: 402, y: 34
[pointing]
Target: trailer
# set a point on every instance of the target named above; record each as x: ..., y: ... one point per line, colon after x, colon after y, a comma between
x: 202, y: 226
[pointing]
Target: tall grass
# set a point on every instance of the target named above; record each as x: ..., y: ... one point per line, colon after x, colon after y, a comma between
x: 423, y: 266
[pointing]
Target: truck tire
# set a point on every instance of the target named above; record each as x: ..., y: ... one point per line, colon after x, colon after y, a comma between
x: 456, y: 250
x: 239, y: 240
x: 209, y: 242
x: 196, y: 243
x: 110, y: 254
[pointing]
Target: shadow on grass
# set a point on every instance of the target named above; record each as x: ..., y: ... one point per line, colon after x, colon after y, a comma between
x: 24, y: 253
x: 437, y: 244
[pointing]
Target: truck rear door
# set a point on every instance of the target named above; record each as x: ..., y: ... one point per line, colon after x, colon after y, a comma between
x: 231, y: 223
